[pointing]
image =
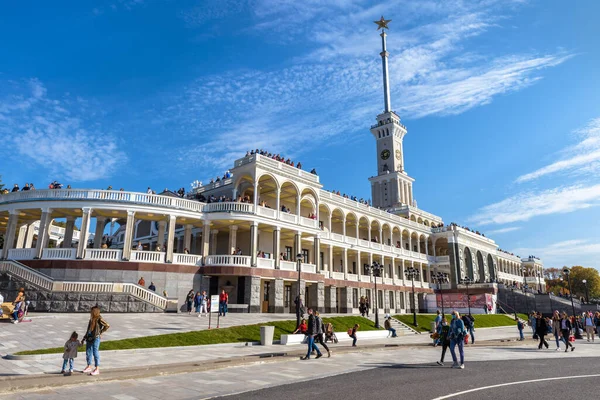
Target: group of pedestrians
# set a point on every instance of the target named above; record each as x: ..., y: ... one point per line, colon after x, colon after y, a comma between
x: 200, y: 302
x: 315, y: 331
x: 452, y: 335
x: 561, y: 326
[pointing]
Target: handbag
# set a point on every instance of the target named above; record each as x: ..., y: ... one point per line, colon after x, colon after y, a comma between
x: 435, y: 335
x: 571, y: 338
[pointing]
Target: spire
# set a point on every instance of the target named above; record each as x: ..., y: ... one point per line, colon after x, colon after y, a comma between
x: 383, y: 25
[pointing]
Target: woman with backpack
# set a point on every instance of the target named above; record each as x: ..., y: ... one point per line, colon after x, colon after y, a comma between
x: 96, y: 327
x: 444, y: 339
x: 457, y: 338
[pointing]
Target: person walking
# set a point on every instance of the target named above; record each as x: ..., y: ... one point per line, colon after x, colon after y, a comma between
x: 520, y: 328
x: 556, y: 328
x: 223, y: 300
x: 352, y: 334
x: 589, y: 325
x: 189, y: 301
x: 367, y: 306
x: 96, y: 327
x: 320, y: 338
x: 311, y: 333
x: 532, y: 324
x: 203, y: 304
x: 457, y: 338
x: 541, y: 330
x: 437, y: 321
x: 70, y: 354
x: 565, y: 331
x: 444, y: 339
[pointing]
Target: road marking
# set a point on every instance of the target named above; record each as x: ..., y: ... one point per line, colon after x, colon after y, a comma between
x: 514, y: 383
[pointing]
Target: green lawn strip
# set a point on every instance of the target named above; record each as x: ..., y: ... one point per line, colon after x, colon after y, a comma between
x: 481, y: 320
x: 234, y: 334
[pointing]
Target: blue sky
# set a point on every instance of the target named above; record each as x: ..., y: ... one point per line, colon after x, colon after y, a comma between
x: 500, y: 99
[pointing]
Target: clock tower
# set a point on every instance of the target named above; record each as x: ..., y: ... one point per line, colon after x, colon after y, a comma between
x: 391, y: 187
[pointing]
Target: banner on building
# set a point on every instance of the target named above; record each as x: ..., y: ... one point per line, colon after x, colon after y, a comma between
x: 460, y: 300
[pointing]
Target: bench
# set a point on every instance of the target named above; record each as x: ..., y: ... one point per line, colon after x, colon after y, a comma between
x: 342, y: 336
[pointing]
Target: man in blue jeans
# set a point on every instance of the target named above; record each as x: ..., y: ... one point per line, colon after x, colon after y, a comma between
x: 457, y: 338
x: 311, y: 333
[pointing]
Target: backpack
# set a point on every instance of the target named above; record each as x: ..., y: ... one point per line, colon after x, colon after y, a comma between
x: 350, y: 332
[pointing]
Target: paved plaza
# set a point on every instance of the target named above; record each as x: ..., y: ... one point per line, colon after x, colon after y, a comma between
x: 401, y: 363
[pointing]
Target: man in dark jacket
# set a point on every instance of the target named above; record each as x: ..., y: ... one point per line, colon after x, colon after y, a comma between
x: 311, y: 333
x: 541, y: 330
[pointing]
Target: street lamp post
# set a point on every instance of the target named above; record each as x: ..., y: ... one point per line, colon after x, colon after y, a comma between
x: 298, y: 298
x: 411, y: 273
x: 467, y: 281
x: 375, y: 270
x: 567, y: 271
x: 441, y: 278
x: 587, y: 298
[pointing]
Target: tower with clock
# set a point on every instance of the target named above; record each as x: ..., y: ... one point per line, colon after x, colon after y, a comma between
x: 391, y: 187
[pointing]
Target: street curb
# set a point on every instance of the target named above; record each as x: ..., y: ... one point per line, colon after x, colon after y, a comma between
x: 12, y: 384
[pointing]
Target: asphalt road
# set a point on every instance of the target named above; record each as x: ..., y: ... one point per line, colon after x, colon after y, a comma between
x: 430, y: 381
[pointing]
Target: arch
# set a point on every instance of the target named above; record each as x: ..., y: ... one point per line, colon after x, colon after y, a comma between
x: 414, y: 242
x: 324, y: 217
x: 406, y: 239
x: 337, y: 221
x: 468, y: 259
x: 267, y: 190
x: 430, y: 247
x: 412, y: 218
x: 351, y: 224
x: 420, y: 220
x: 426, y: 223
x: 308, y: 206
x: 481, y: 267
x: 288, y: 197
x: 491, y: 269
x: 396, y: 237
x: 375, y: 231
x: 244, y: 185
x: 363, y: 228
x: 441, y: 246
x: 422, y: 241
x: 386, y: 233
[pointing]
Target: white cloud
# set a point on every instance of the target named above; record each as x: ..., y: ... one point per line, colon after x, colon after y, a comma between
x: 582, y: 158
x: 335, y: 88
x: 569, y: 252
x: 504, y: 230
x: 526, y: 205
x: 56, y: 135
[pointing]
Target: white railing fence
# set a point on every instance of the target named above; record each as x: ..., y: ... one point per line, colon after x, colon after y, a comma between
x: 148, y: 256
x: 103, y: 254
x: 268, y: 263
x: 236, y: 261
x: 59, y: 254
x: 21, y: 254
x: 187, y: 259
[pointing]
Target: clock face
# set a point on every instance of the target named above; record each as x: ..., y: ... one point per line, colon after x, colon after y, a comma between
x: 398, y: 155
x: 385, y: 154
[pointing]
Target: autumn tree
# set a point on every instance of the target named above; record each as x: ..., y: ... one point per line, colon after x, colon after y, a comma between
x: 591, y: 276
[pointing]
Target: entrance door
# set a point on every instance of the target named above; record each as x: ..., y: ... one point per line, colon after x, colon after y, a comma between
x: 265, y: 298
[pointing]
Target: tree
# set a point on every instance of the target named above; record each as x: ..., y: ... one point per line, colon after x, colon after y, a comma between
x: 1, y: 184
x: 553, y: 283
x: 591, y: 275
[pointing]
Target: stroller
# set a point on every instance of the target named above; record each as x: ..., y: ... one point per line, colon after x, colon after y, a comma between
x: 330, y: 334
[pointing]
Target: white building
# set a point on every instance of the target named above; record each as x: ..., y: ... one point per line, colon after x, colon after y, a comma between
x: 250, y: 249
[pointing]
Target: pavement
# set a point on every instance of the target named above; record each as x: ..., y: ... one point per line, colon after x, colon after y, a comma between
x: 399, y: 372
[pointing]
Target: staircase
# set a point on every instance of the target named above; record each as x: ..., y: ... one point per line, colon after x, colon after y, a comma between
x: 400, y: 327
x: 36, y: 278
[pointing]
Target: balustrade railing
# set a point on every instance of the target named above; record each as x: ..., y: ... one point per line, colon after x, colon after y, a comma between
x: 287, y: 265
x: 229, y: 207
x: 187, y: 259
x: 59, y: 254
x: 224, y: 260
x: 352, y: 277
x: 288, y: 217
x: 337, y: 275
x: 267, y: 212
x: 268, y: 263
x: 21, y: 254
x: 27, y: 274
x: 309, y: 222
x: 103, y: 254
x: 351, y: 240
x: 310, y: 268
x: 148, y: 256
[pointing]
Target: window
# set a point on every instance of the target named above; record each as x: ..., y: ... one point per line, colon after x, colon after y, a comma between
x: 266, y: 287
x: 305, y: 256
x: 354, y: 267
x: 288, y: 254
x: 392, y: 300
x: 355, y: 298
x: 322, y: 259
x: 287, y: 296
x: 380, y: 298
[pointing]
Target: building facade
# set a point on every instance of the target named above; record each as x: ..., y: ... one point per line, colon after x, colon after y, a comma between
x: 266, y: 233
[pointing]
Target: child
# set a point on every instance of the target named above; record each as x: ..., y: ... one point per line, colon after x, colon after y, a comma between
x: 352, y: 334
x: 70, y: 353
x: 520, y: 328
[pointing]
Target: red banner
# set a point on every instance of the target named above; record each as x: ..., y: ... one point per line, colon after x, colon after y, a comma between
x: 459, y: 300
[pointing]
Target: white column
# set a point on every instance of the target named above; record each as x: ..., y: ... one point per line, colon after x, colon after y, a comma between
x: 297, y: 244
x: 205, y: 239
x: 21, y: 236
x: 410, y: 194
x: 160, y: 239
x: 317, y: 252
x: 345, y: 263
x: 83, y: 235
x: 276, y: 246
x: 213, y: 240
x: 256, y: 194
x: 42, y: 239
x: 100, y: 224
x: 11, y: 229
x: 68, y: 240
x: 30, y: 233
x: 278, y: 202
x: 426, y: 247
x: 253, y: 242
x: 128, y: 241
x: 232, y: 238
x: 187, y: 238
x: 298, y: 206
x: 330, y: 260
x: 170, y: 238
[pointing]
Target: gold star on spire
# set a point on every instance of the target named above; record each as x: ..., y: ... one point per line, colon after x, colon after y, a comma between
x: 383, y: 23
